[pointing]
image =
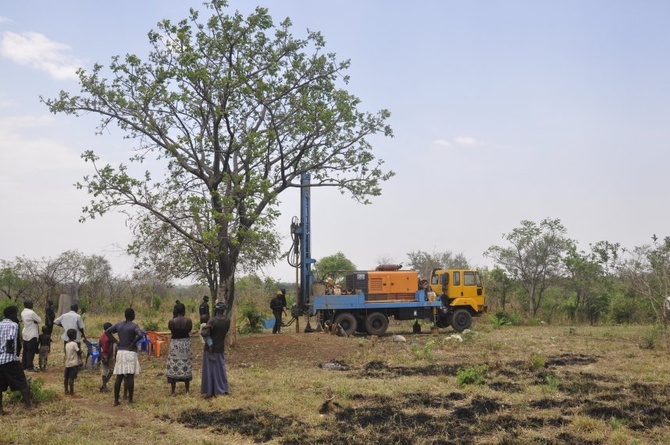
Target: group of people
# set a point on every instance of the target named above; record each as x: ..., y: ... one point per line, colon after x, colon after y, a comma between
x: 118, y: 349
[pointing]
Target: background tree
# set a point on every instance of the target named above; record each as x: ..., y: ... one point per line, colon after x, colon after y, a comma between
x: 533, y: 256
x: 424, y: 262
x: 335, y: 266
x: 647, y: 270
x: 234, y: 109
x: 12, y: 285
x: 498, y: 287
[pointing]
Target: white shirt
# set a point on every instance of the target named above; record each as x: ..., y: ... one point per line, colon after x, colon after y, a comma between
x: 30, y: 320
x: 70, y: 320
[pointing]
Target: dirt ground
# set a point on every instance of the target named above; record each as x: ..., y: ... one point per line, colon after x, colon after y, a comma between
x: 543, y: 385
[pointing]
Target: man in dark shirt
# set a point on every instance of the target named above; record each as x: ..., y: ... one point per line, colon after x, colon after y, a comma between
x: 127, y: 364
x: 50, y: 316
x: 204, y: 307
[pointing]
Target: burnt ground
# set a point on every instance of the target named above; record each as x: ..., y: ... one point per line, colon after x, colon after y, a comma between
x: 456, y: 417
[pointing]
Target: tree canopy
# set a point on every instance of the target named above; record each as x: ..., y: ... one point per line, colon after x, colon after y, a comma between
x: 232, y: 109
x: 334, y: 266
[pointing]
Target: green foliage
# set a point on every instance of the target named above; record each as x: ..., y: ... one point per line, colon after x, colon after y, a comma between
x: 537, y: 361
x: 425, y: 262
x: 156, y: 302
x: 151, y: 325
x: 250, y: 318
x: 473, y: 375
x: 551, y: 382
x: 37, y: 392
x: 500, y: 319
x: 335, y: 266
x: 534, y: 254
x: 424, y: 352
x: 648, y: 340
x: 235, y: 108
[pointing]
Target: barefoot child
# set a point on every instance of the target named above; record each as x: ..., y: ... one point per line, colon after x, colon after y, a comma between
x: 44, y: 342
x: 72, y: 361
x: 107, y: 357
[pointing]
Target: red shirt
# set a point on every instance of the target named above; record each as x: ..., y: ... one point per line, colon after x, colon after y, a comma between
x: 106, y: 345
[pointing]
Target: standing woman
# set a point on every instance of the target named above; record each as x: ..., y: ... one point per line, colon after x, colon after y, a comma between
x: 214, y: 378
x: 180, y: 360
x: 127, y: 365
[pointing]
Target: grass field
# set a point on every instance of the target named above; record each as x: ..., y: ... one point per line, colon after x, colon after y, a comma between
x: 510, y: 385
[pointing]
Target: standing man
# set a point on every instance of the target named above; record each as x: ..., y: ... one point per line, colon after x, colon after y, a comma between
x: 71, y: 320
x: 277, y: 304
x: 204, y: 307
x: 11, y: 372
x: 29, y: 334
x: 50, y: 316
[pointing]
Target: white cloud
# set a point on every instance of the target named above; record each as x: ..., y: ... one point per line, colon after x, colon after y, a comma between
x: 4, y: 19
x: 36, y: 50
x: 442, y: 143
x: 22, y: 153
x: 466, y: 141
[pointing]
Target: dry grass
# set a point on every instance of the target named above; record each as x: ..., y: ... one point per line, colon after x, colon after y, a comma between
x: 543, y: 385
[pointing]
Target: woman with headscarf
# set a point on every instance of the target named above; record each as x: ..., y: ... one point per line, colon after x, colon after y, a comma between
x: 214, y: 378
x: 180, y: 360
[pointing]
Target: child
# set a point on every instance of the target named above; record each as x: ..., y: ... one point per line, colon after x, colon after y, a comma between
x: 107, y: 357
x: 204, y: 330
x: 72, y: 361
x: 44, y: 342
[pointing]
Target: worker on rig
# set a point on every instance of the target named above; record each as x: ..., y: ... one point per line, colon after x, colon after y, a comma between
x: 278, y: 306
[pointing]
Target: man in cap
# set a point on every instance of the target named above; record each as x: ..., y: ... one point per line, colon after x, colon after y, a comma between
x: 278, y: 305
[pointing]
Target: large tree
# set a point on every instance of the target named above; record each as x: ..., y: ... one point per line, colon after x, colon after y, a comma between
x: 533, y: 256
x: 425, y: 262
x: 233, y: 110
x: 335, y: 266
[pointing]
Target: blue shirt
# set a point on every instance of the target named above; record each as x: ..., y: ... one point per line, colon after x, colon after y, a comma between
x: 8, y: 331
x: 128, y: 332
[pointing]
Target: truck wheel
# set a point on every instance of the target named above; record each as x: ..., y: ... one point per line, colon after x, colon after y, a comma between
x: 461, y: 320
x: 376, y: 323
x: 347, y: 321
x: 443, y: 321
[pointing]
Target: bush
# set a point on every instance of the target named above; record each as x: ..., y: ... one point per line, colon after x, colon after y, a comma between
x: 505, y: 319
x: 423, y: 352
x: 37, y: 393
x: 473, y: 375
x: 251, y: 319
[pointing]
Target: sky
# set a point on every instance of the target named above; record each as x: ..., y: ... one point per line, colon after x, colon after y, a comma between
x: 502, y: 111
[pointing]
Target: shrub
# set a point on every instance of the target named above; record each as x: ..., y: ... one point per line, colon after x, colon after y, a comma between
x: 37, y: 393
x: 473, y: 375
x: 423, y: 352
x: 500, y: 319
x: 648, y: 340
x: 537, y: 361
x: 251, y: 317
x: 150, y: 325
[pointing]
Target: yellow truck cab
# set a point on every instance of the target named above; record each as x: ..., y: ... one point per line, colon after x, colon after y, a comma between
x: 463, y: 295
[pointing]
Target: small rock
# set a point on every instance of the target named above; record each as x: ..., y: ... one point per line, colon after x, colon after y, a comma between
x: 399, y: 338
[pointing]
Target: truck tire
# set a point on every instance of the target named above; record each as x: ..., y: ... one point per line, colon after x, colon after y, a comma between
x: 461, y: 320
x: 376, y: 323
x: 443, y: 321
x: 347, y: 321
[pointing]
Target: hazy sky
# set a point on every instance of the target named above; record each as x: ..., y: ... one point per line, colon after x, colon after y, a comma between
x: 502, y: 111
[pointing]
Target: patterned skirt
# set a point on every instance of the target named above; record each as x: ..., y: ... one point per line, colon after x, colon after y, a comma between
x: 126, y: 363
x: 180, y: 361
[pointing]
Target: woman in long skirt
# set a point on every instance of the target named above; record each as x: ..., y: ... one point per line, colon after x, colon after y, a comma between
x: 180, y: 359
x: 214, y: 377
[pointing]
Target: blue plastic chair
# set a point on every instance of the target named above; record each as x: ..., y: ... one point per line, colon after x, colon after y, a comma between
x: 92, y: 351
x: 143, y: 343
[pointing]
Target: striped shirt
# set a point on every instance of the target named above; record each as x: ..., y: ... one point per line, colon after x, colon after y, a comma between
x: 8, y: 331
